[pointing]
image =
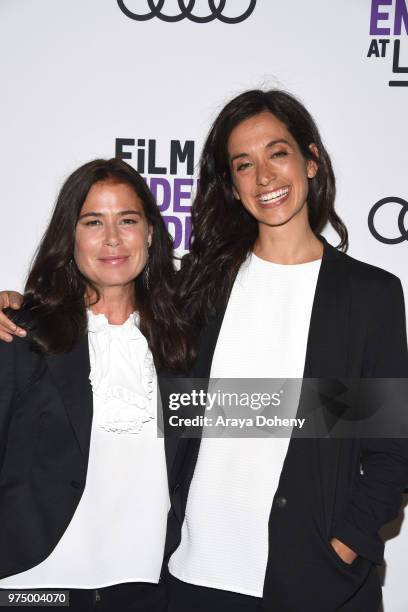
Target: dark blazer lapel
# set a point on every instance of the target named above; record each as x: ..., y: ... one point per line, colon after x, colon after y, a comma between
x: 326, y: 352
x: 171, y: 443
x: 170, y: 448
x: 327, y: 346
x: 327, y: 357
x: 70, y: 373
x: 206, y: 346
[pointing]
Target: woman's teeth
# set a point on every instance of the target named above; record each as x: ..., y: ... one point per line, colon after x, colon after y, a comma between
x: 274, y: 195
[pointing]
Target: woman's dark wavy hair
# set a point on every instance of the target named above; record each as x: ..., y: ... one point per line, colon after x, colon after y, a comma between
x: 223, y: 232
x: 54, y: 297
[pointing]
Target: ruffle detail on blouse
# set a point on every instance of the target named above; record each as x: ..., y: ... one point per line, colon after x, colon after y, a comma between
x: 122, y: 374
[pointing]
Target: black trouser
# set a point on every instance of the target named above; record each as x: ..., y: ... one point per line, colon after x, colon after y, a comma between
x: 127, y: 597
x: 185, y: 597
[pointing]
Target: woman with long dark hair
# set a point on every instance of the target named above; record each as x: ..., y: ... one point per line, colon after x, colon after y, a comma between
x: 281, y: 525
x: 286, y: 525
x: 83, y: 485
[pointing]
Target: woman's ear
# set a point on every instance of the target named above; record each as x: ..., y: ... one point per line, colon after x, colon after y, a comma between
x: 312, y: 165
x: 150, y: 237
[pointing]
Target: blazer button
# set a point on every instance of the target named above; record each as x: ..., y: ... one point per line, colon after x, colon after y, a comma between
x: 280, y: 502
x: 76, y: 484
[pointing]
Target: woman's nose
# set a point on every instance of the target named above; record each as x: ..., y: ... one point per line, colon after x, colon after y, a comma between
x: 112, y: 236
x: 265, y: 174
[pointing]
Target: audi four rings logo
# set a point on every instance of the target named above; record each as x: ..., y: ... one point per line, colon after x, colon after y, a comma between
x: 401, y: 220
x: 186, y: 8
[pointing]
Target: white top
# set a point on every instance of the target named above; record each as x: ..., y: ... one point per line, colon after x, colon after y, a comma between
x: 118, y: 531
x: 264, y: 334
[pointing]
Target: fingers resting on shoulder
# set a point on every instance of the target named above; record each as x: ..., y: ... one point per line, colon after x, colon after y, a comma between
x: 8, y: 329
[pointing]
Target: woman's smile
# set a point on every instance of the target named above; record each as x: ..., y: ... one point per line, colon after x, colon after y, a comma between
x: 114, y: 260
x: 271, y: 199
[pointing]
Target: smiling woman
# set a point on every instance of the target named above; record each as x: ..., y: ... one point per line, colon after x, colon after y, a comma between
x: 83, y: 473
x: 282, y: 524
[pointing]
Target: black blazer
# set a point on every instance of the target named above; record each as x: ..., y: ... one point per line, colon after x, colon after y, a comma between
x: 357, y: 329
x: 45, y: 425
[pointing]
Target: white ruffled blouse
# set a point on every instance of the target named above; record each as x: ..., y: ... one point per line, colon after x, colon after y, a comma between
x: 122, y: 374
x: 118, y: 531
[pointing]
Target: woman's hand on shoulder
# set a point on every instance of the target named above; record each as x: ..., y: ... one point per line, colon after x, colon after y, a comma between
x: 10, y: 299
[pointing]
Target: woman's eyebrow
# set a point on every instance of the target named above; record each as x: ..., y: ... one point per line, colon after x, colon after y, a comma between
x: 121, y: 212
x: 238, y: 156
x: 278, y: 141
x: 90, y: 214
x: 270, y: 144
x: 130, y: 212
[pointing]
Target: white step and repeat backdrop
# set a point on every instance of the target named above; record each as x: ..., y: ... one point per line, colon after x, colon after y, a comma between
x: 143, y: 79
